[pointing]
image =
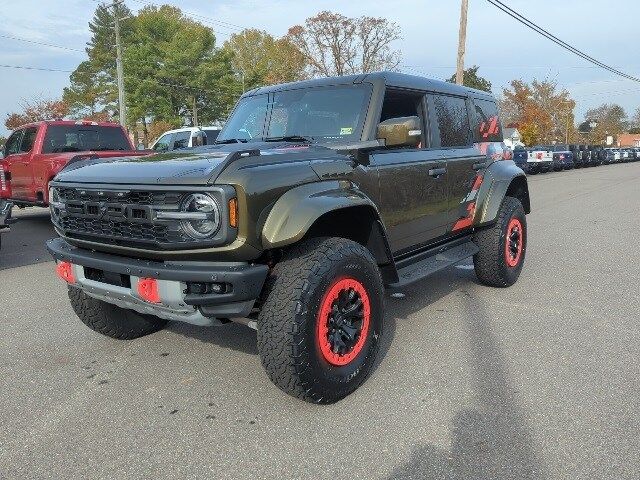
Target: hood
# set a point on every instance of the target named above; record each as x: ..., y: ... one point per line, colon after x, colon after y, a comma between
x: 198, y: 166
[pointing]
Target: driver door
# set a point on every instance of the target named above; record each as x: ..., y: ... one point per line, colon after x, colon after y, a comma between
x: 413, y: 181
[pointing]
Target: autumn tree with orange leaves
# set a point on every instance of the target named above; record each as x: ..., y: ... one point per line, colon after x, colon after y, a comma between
x: 35, y: 111
x: 542, y: 112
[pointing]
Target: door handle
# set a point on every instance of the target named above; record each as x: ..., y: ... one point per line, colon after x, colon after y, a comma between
x: 479, y: 166
x: 437, y: 172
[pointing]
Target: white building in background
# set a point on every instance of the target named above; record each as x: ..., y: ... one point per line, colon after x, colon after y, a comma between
x: 512, y: 138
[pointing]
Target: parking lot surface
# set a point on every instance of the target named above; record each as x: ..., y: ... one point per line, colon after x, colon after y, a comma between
x: 539, y: 381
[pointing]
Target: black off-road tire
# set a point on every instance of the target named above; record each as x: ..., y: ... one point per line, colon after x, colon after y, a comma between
x: 110, y: 320
x: 491, y: 263
x: 288, y: 339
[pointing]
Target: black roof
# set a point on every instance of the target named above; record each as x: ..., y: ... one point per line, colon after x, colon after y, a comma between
x: 392, y: 79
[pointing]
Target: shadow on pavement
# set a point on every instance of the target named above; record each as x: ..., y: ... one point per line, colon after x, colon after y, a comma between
x: 24, y: 243
x: 491, y: 442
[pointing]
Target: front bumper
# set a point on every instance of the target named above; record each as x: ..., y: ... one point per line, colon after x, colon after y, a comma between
x: 244, y: 282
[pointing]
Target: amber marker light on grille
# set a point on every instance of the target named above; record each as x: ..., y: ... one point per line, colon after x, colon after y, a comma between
x: 233, y: 212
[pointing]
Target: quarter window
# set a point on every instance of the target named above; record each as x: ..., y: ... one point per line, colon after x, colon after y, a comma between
x: 181, y: 140
x: 453, y: 120
x: 487, y: 126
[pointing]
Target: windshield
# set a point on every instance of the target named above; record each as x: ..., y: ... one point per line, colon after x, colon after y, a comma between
x: 320, y: 114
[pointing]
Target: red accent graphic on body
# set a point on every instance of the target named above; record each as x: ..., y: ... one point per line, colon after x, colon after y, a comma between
x: 490, y: 127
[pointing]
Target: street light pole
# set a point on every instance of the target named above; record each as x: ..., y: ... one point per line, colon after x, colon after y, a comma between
x: 462, y: 42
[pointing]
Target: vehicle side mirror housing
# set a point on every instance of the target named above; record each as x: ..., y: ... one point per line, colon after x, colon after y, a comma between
x: 140, y: 146
x: 400, y: 132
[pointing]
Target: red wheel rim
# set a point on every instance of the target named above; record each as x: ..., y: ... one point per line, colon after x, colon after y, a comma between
x: 343, y: 321
x: 513, y: 242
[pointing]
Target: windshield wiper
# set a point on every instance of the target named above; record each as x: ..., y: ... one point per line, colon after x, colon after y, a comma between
x: 290, y: 138
x: 230, y: 140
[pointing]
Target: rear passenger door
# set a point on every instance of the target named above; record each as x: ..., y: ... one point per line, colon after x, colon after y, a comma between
x: 452, y: 136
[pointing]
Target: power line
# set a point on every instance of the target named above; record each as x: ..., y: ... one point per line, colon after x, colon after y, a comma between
x: 20, y: 39
x: 209, y: 21
x: 24, y: 67
x: 528, y: 23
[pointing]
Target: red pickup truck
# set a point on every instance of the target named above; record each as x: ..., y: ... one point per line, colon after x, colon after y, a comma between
x: 36, y: 152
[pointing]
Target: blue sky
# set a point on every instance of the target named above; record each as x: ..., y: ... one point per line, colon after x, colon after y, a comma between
x: 503, y: 48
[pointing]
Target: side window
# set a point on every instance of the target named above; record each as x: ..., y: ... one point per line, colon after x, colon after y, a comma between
x: 13, y: 143
x: 163, y: 143
x: 212, y: 135
x: 486, y: 126
x: 28, y: 139
x: 181, y: 140
x: 401, y: 103
x: 453, y: 120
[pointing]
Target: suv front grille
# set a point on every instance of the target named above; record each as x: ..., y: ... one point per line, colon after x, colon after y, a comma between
x: 118, y: 217
x: 114, y: 229
x: 129, y: 217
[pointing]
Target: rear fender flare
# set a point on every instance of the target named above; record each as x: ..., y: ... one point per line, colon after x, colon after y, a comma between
x: 499, y: 177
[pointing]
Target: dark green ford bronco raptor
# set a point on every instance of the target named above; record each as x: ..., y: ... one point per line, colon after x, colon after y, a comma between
x: 317, y: 196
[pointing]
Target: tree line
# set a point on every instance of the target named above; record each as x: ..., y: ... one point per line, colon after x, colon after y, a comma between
x: 174, y: 66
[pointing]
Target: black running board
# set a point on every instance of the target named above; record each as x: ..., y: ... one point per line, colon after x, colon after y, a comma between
x: 433, y: 261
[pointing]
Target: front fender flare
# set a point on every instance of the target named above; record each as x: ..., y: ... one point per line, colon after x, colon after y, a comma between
x: 497, y: 179
x: 295, y: 212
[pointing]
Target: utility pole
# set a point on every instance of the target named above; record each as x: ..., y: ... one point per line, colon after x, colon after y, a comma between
x: 195, y: 112
x: 462, y: 41
x: 121, y: 104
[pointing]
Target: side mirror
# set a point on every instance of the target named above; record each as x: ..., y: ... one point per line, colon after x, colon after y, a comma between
x: 400, y: 132
x: 140, y: 147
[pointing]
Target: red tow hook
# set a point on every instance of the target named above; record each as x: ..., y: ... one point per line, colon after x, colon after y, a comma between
x: 64, y: 270
x: 148, y: 290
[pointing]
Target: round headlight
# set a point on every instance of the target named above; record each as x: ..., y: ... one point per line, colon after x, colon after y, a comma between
x: 205, y: 216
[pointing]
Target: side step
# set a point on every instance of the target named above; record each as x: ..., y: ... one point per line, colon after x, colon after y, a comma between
x: 434, y: 261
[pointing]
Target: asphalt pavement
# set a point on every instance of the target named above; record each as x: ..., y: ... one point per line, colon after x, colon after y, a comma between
x: 539, y: 381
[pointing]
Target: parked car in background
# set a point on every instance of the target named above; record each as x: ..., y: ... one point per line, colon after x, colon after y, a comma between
x: 36, y: 152
x: 562, y: 157
x: 597, y: 154
x: 186, y: 137
x: 521, y: 157
x: 636, y: 152
x: 613, y: 155
x: 632, y: 154
x: 540, y: 159
x: 586, y: 156
x: 625, y: 155
x: 577, y: 155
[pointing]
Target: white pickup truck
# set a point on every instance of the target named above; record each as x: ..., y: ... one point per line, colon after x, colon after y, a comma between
x: 540, y: 160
